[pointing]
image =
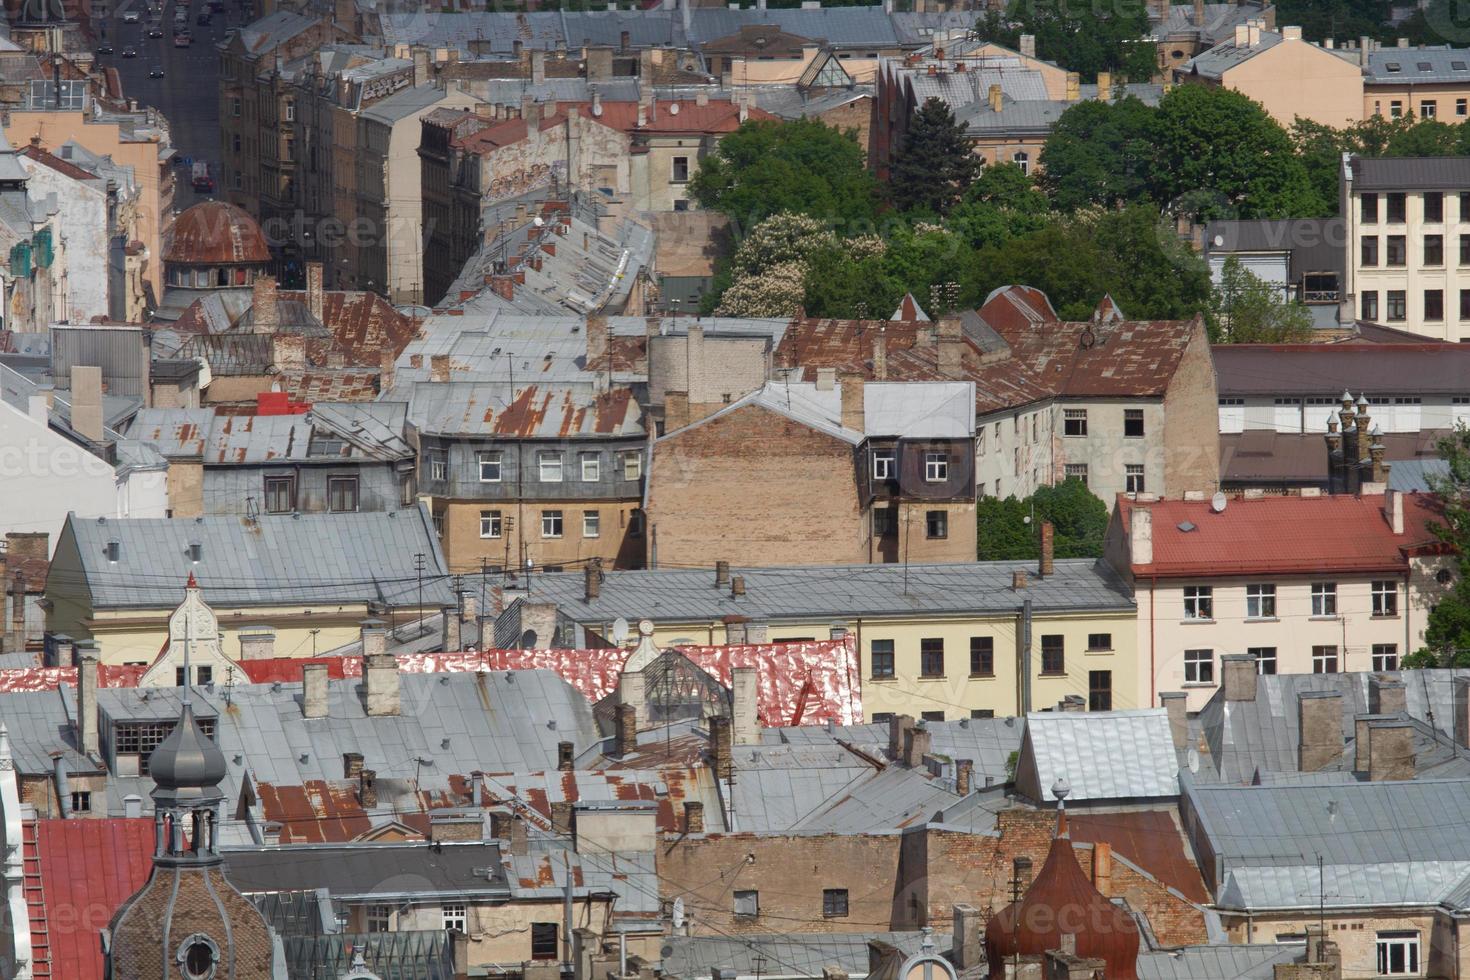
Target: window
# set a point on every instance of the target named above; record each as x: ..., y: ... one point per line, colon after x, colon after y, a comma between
x: 1434, y: 250
x: 280, y: 494
x: 982, y: 712
x: 748, y: 904
x: 1398, y: 953
x: 1461, y: 107
x: 1385, y: 656
x: 591, y: 523
x: 491, y: 525
x: 1077, y: 471
x: 1260, y: 602
x: 885, y: 522
x: 1398, y: 306
x: 635, y: 523
x: 235, y: 142
x: 342, y: 494
x: 681, y: 170
x: 1434, y: 304
x: 885, y: 464
x: 1385, y: 598
x: 490, y: 467
x: 290, y: 111
x: 1022, y: 160
x: 379, y: 918
x: 455, y: 917
x: 632, y: 466
x: 882, y: 657
x: 982, y: 656
x: 1133, y: 423
x: 1324, y: 659
x: 1053, y: 654
x: 1133, y: 481
x: 1074, y: 422
x: 202, y: 675
x: 834, y: 903
x: 1396, y: 206
x: 1099, y: 641
x: 1099, y: 690
x: 1199, y: 602
x: 1199, y: 666
x: 81, y: 801
x: 931, y: 657
x: 438, y: 466
x: 1397, y: 250
x: 1433, y: 200
x: 550, y: 467
x: 235, y: 106
x: 1370, y: 305
x: 591, y: 467
x: 936, y: 467
x: 1265, y: 659
x: 1324, y: 598
x: 543, y: 940
x: 936, y: 524
x: 1428, y: 109
x: 1368, y: 205
x: 551, y: 523
x: 239, y: 179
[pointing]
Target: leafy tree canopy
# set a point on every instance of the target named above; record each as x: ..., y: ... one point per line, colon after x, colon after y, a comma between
x: 1083, y: 37
x: 1447, y: 638
x: 1080, y: 521
x: 1246, y: 310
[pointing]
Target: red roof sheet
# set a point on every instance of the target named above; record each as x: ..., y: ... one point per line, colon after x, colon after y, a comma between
x: 88, y: 869
x: 22, y: 679
x: 1282, y: 535
x: 1150, y: 839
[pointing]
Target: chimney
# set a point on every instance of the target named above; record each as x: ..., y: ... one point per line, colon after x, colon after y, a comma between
x: 509, y: 827
x: 1319, y: 729
x: 1242, y: 36
x: 1028, y: 45
x: 566, y: 759
x: 314, y: 290
x: 951, y: 348
x: 1048, y: 537
x: 18, y: 609
x: 720, y: 748
x: 1294, y: 33
x: 1021, y: 874
x: 676, y: 410
x: 314, y: 691
x: 898, y: 729
x: 439, y: 367
x: 420, y: 65
x: 880, y: 357
x: 592, y: 580
x: 693, y: 817
x: 367, y: 789
x: 387, y: 363
x: 1176, y: 706
x: 257, y: 643
x: 87, y: 705
x: 968, y: 950
x: 1018, y: 578
x: 701, y: 97
x: 744, y: 719
x: 1390, y: 750
x: 996, y: 97
x: 1393, y: 511
x: 1102, y: 867
x: 826, y: 378
x: 351, y: 765
x: 597, y: 345
x: 852, y: 402
x: 1141, y: 536
x: 265, y: 313
x: 1074, y: 86
x: 1104, y: 86
x: 722, y: 574
x: 86, y: 402
x: 449, y: 638
x: 538, y: 67
x: 1386, y: 695
x: 1255, y: 33
x: 1365, y: 48
x: 1199, y: 13
x: 916, y: 744
x: 625, y: 722
x: 737, y: 586
x: 288, y: 353
x: 374, y: 637
x: 1462, y: 712
x: 1239, y: 675
x: 380, y: 684
x: 964, y: 776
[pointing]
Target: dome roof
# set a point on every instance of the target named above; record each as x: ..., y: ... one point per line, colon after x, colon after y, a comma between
x: 1061, y: 901
x: 216, y: 233
x: 187, y: 762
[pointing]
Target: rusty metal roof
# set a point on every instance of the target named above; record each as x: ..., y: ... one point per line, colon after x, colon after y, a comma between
x: 216, y: 233
x: 252, y: 439
x: 525, y: 411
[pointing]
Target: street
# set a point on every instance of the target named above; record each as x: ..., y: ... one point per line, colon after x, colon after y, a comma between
x: 188, y: 94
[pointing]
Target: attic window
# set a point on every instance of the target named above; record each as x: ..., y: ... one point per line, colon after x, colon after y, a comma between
x: 325, y: 445
x: 1393, y: 66
x: 1186, y: 526
x: 1425, y: 66
x: 1457, y: 65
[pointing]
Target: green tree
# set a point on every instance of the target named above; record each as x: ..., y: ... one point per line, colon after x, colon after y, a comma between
x: 1099, y: 153
x: 1447, y: 637
x: 1244, y: 309
x: 1001, y: 204
x: 1008, y: 531
x: 801, y: 166
x: 936, y: 163
x: 1220, y: 153
x: 1081, y: 37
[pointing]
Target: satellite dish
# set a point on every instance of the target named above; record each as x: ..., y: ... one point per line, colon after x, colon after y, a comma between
x: 1217, y: 503
x: 619, y: 631
x: 674, y: 109
x: 678, y: 914
x: 537, y: 221
x: 1219, y: 240
x: 1193, y: 760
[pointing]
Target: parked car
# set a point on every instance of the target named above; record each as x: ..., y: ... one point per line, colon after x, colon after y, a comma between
x: 129, y: 53
x: 183, y: 39
x: 131, y: 16
x: 156, y: 71
x: 104, y: 48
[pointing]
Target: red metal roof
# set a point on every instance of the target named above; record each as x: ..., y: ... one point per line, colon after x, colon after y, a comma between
x: 1150, y: 839
x: 22, y: 679
x: 1281, y: 535
x: 216, y: 233
x: 88, y: 869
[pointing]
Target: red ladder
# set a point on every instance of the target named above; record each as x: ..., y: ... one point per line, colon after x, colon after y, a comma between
x: 35, y: 901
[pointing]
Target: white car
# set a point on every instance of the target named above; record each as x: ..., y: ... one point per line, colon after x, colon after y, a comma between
x: 131, y: 16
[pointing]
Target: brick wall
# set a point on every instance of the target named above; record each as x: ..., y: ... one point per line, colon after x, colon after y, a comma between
x: 753, y: 487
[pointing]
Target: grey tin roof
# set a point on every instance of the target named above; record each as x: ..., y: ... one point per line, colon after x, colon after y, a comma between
x: 1413, y: 475
x: 839, y: 592
x: 1411, y: 883
x: 988, y: 742
x: 781, y: 954
x: 379, y: 870
x: 1222, y: 57
x: 1107, y: 755
x: 1417, y: 66
x: 267, y: 560
x: 1410, y: 173
x: 1256, y: 962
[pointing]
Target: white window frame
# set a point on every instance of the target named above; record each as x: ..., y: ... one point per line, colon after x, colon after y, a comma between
x: 1324, y: 600
x: 492, y: 524
x: 1261, y: 660
x: 1075, y: 471
x: 549, y: 466
x: 1199, y: 603
x: 1320, y: 660
x: 1232, y: 415
x: 1199, y: 666
x: 378, y: 918
x: 591, y: 466
x: 456, y: 916
x: 632, y: 466
x: 591, y: 523
x: 552, y: 524
x: 1074, y: 415
x: 438, y: 466
x: 1406, y: 944
x: 1260, y: 601
x: 1385, y: 656
x: 492, y: 462
x: 885, y: 464
x: 936, y: 467
x: 1134, y: 479
x: 1385, y: 596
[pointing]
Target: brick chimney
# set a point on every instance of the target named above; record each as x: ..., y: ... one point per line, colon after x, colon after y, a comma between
x: 1386, y: 695
x: 1390, y: 750
x: 351, y: 765
x: 1176, y: 706
x: 439, y: 367
x: 367, y: 789
x: 964, y: 776
x: 314, y: 691
x: 852, y: 402
x: 592, y: 580
x: 1048, y: 539
x: 597, y: 343
x: 898, y: 728
x: 288, y: 353
x: 880, y: 357
x: 86, y: 720
x: 951, y: 348
x: 1239, y: 674
x: 720, y: 747
x: 1319, y: 730
x: 626, y: 730
x: 314, y: 297
x: 916, y: 744
x: 693, y: 817
x: 566, y: 756
x: 996, y: 98
x: 380, y: 684
x: 265, y: 313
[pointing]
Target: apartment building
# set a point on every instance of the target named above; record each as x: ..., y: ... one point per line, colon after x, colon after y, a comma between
x: 1425, y: 82
x: 1289, y: 76
x: 1303, y: 584
x: 1408, y: 243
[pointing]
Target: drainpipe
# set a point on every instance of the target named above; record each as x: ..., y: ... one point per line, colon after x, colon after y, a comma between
x: 1153, y: 677
x: 1025, y: 657
x: 63, y: 791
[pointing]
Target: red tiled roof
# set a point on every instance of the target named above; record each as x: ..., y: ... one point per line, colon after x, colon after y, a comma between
x: 88, y: 869
x: 1280, y: 535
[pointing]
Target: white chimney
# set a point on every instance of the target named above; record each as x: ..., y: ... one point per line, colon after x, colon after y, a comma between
x: 1141, y: 536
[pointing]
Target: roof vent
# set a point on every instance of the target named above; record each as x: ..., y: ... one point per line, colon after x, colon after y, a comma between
x: 1217, y: 503
x: 196, y: 552
x: 1185, y: 526
x: 113, y: 551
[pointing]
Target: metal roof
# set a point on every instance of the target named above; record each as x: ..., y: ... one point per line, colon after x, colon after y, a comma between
x: 382, y: 870
x: 1106, y: 755
x: 1413, y: 475
x: 542, y: 873
x: 526, y: 411
x: 1222, y: 57
x: 268, y: 560
x: 1410, y: 173
x: 1416, y: 65
x: 839, y: 592
x: 1326, y: 370
x: 835, y: 799
x: 919, y: 410
x: 1306, y: 887
x: 988, y: 742
x: 1224, y: 962
x: 780, y: 954
x: 356, y: 430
